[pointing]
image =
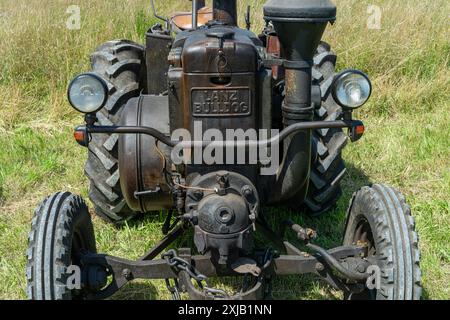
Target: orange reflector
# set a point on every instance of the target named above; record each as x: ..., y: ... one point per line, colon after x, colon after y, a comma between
x: 79, y: 136
x: 360, y: 129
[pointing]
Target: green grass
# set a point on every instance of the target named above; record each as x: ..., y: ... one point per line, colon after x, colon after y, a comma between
x: 406, y: 145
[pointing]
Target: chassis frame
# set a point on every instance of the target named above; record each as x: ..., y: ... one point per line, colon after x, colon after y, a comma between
x: 342, y: 268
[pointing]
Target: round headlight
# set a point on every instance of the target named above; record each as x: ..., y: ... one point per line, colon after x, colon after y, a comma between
x: 351, y: 89
x: 88, y: 93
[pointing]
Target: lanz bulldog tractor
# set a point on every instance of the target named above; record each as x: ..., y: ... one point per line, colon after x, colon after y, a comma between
x: 212, y: 124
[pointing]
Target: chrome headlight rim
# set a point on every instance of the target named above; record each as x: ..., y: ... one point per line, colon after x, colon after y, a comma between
x: 341, y: 75
x: 96, y: 77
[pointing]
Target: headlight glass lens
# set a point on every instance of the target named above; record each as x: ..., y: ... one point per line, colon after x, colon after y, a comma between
x: 352, y: 89
x: 87, y: 93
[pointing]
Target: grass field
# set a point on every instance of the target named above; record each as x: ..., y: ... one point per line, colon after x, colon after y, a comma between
x: 407, y: 142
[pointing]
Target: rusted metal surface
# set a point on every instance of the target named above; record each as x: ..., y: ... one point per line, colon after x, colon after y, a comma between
x: 158, y: 48
x: 124, y: 271
x: 225, y: 214
x: 141, y: 163
x: 216, y: 86
x: 301, y: 264
x: 219, y: 79
x: 274, y: 49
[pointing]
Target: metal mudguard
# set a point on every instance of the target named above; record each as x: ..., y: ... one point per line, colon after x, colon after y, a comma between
x: 141, y: 161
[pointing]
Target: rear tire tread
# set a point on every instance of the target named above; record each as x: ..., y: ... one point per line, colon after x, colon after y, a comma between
x: 328, y: 168
x: 120, y: 63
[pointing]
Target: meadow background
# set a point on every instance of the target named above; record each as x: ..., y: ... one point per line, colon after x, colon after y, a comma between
x: 406, y: 145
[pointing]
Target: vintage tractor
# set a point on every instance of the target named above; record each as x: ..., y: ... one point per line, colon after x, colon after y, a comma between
x: 214, y: 124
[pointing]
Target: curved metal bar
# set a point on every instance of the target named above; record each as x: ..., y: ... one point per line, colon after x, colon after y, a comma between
x: 158, y: 135
x: 335, y: 265
x: 155, y: 13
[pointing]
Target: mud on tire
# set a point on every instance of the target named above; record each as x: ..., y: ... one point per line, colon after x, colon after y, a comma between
x: 120, y: 63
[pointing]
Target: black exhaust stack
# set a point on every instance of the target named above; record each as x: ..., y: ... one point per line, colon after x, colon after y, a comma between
x: 300, y: 25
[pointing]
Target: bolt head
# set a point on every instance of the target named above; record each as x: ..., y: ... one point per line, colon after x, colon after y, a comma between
x: 127, y: 274
x: 224, y: 215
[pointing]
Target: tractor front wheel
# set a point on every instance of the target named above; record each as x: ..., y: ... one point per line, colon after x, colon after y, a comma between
x: 61, y: 233
x: 380, y: 220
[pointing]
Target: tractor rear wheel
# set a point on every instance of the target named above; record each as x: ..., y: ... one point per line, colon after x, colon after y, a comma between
x: 120, y: 64
x: 380, y: 220
x: 327, y: 168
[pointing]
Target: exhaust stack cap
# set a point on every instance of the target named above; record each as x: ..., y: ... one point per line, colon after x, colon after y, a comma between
x: 300, y: 11
x: 300, y: 25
